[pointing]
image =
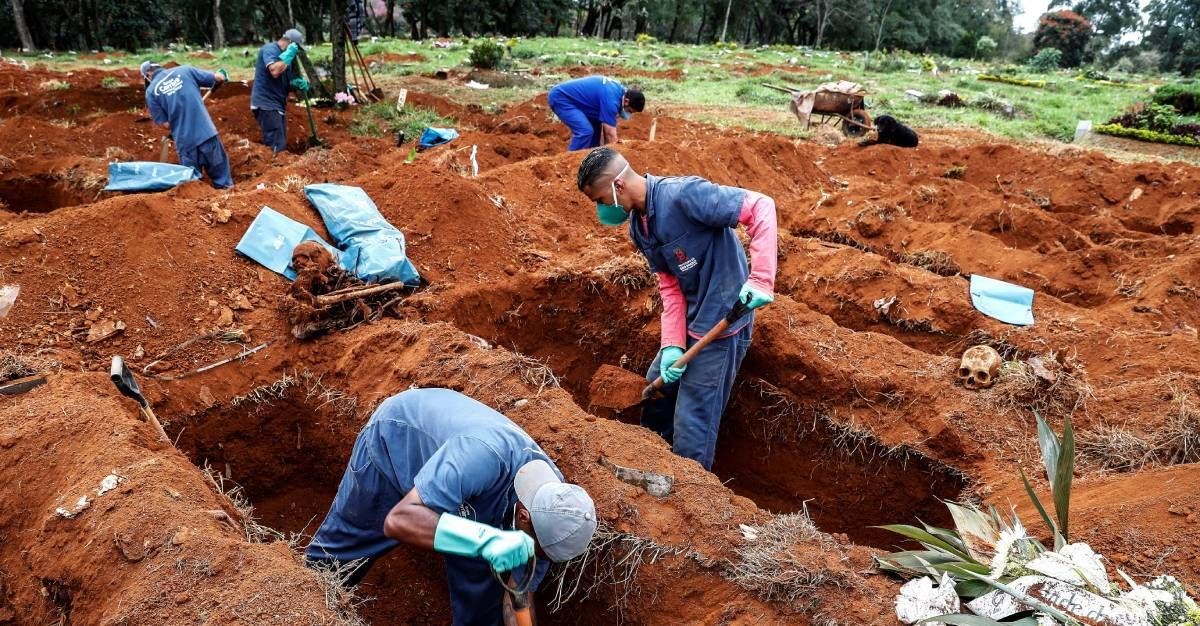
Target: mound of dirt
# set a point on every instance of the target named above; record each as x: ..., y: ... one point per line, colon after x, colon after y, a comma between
x: 846, y: 415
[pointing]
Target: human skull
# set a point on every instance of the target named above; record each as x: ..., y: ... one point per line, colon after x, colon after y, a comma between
x: 979, y: 367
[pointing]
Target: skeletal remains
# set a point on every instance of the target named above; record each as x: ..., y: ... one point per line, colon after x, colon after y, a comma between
x: 979, y: 367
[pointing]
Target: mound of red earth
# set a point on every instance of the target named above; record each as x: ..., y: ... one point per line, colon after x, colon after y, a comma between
x: 847, y: 406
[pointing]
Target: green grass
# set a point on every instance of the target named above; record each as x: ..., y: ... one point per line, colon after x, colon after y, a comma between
x: 717, y: 86
x: 381, y: 119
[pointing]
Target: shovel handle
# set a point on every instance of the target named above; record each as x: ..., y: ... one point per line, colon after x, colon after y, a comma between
x: 738, y: 311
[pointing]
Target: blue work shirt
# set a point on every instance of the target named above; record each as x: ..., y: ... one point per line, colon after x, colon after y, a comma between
x: 462, y: 457
x: 690, y: 223
x: 597, y: 97
x: 268, y: 92
x: 173, y: 97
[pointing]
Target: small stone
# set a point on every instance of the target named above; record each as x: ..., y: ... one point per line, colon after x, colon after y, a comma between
x: 206, y: 397
x: 242, y: 303
x: 221, y: 214
x: 1193, y: 518
x: 1177, y: 510
x: 181, y: 536
x: 139, y: 352
x: 225, y: 318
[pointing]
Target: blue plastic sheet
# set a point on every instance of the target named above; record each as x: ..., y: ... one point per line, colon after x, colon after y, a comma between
x: 270, y: 240
x: 434, y: 136
x: 1009, y: 303
x: 372, y: 248
x: 147, y: 176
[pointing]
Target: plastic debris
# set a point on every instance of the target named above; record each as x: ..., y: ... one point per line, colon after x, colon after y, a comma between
x: 433, y: 136
x: 8, y: 297
x: 109, y: 483
x: 1076, y: 564
x: 475, y: 85
x: 148, y: 176
x: 919, y: 599
x: 1009, y: 303
x: 80, y: 505
x: 271, y: 238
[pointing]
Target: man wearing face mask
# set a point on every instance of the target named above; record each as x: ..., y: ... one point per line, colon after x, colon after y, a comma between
x: 589, y: 106
x: 440, y: 471
x: 684, y: 226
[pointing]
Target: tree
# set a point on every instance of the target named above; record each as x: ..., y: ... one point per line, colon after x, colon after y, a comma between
x: 1066, y: 31
x: 22, y: 27
x: 218, y: 25
x: 1111, y: 18
x: 1173, y: 29
x: 985, y: 47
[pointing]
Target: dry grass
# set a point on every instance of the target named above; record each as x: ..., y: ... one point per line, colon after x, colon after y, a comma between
x: 610, y: 564
x: 1113, y: 448
x: 629, y: 272
x: 343, y: 601
x: 778, y: 562
x: 251, y: 528
x: 315, y: 392
x: 292, y: 182
x: 6, y: 164
x: 54, y: 85
x: 13, y: 365
x: 1058, y: 388
x: 80, y: 178
x: 1126, y: 287
x: 936, y: 261
x: 1121, y: 449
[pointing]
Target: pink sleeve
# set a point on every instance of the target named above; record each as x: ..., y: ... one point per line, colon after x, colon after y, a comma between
x: 758, y: 216
x: 674, y: 315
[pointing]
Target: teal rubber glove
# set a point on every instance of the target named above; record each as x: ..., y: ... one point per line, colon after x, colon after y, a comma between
x: 301, y: 84
x: 667, y: 358
x: 754, y: 298
x: 505, y: 550
x: 289, y: 53
x: 223, y: 74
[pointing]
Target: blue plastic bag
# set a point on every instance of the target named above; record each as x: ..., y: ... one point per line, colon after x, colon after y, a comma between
x: 148, y: 176
x: 270, y: 240
x: 434, y: 136
x: 372, y: 248
x: 1009, y: 303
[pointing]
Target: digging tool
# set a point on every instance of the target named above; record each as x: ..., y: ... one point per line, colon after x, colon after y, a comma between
x: 373, y: 90
x: 520, y: 594
x: 165, y: 146
x: 127, y: 385
x: 654, y: 389
x: 313, y: 140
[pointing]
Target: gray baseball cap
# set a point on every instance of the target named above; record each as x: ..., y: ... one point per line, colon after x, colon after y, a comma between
x: 564, y: 516
x: 294, y: 36
x: 147, y: 67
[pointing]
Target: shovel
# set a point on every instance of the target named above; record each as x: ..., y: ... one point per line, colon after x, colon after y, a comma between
x: 617, y: 389
x: 520, y: 595
x: 127, y: 385
x: 313, y: 140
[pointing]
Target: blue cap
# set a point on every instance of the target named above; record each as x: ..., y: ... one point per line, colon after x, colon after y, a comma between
x: 294, y: 36
x: 564, y: 516
x: 148, y: 67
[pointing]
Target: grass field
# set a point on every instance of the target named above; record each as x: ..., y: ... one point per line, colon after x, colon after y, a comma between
x: 723, y: 86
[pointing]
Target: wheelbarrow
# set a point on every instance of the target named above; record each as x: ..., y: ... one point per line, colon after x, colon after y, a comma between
x: 830, y: 103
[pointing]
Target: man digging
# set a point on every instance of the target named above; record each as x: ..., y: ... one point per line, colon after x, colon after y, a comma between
x: 174, y: 100
x: 590, y: 106
x: 438, y: 470
x: 268, y: 95
x: 684, y: 226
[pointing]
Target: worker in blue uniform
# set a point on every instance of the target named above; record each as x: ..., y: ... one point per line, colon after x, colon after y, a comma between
x: 590, y: 106
x: 438, y: 470
x: 174, y: 100
x: 273, y: 75
x: 685, y: 227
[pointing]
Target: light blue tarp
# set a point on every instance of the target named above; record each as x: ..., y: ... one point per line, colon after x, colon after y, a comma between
x: 270, y: 240
x: 371, y: 247
x: 1009, y: 303
x: 147, y: 176
x: 434, y: 136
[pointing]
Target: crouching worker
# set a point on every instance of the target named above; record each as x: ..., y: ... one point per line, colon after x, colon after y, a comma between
x: 173, y: 97
x: 439, y: 471
x: 684, y: 226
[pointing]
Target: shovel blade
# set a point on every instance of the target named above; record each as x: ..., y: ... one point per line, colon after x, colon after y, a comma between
x: 615, y: 388
x: 125, y: 382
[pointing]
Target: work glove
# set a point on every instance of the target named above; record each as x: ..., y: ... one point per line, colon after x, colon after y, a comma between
x: 666, y: 358
x: 300, y: 84
x: 289, y: 53
x: 505, y: 550
x: 754, y: 298
x: 224, y: 74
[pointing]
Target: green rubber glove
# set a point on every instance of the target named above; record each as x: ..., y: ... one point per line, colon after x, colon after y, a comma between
x: 301, y: 84
x: 503, y: 549
x: 754, y: 298
x: 289, y: 53
x: 223, y: 74
x: 667, y: 358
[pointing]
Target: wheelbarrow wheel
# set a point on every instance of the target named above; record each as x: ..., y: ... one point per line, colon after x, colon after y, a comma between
x: 852, y: 129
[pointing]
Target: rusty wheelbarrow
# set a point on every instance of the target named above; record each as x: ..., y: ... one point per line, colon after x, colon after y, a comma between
x: 843, y: 100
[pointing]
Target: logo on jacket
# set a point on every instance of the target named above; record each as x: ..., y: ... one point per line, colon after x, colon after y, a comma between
x: 685, y: 263
x: 168, y: 86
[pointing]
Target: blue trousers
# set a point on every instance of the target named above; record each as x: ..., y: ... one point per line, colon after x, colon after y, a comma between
x: 585, y: 133
x: 690, y: 414
x: 274, y: 128
x: 208, y: 158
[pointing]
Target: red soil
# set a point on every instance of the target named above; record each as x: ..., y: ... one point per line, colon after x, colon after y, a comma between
x: 842, y: 405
